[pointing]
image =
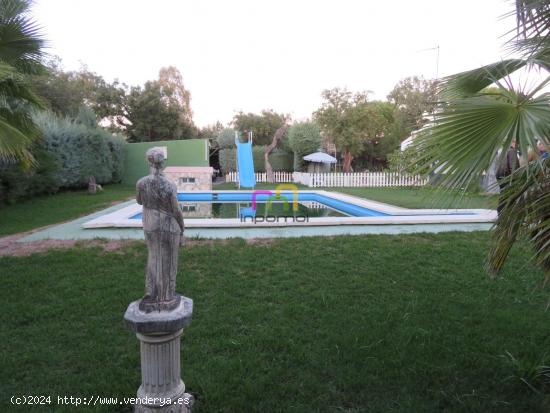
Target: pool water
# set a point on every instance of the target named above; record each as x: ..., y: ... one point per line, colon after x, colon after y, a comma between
x: 203, y: 210
x: 266, y: 196
x: 263, y: 203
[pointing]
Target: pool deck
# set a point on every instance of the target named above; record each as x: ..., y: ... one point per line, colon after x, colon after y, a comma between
x: 397, y: 216
x: 425, y: 220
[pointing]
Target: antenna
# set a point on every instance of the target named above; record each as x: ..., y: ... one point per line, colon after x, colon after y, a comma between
x: 436, y: 48
x: 437, y: 64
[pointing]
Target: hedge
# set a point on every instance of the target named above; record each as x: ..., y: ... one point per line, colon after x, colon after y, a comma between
x: 17, y: 182
x: 67, y: 154
x: 81, y: 151
x: 280, y: 160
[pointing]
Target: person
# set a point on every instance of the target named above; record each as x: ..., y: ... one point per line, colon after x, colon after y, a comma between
x: 507, y: 165
x: 164, y: 228
x: 543, y: 150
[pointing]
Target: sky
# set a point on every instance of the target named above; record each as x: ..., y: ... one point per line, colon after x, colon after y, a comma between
x: 249, y: 55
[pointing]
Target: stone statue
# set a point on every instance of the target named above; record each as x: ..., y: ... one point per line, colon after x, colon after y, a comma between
x: 163, y: 227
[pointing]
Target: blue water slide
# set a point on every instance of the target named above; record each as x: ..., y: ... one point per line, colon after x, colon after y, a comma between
x: 245, y: 163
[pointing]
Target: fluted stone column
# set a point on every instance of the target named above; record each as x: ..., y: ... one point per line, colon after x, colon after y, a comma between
x: 160, y: 361
x: 159, y: 333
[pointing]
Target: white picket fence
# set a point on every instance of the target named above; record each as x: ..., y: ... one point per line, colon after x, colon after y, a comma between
x: 358, y: 179
x: 262, y: 177
x: 339, y: 179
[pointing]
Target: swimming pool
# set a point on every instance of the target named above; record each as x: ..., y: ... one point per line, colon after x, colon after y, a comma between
x: 240, y: 209
x: 262, y: 208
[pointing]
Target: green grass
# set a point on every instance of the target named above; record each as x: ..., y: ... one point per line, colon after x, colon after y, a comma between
x: 424, y: 197
x: 347, y: 324
x: 63, y: 206
x: 260, y: 185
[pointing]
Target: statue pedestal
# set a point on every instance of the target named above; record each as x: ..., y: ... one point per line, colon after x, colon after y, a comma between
x: 159, y: 333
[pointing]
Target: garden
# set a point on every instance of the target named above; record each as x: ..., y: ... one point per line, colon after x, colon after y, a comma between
x: 418, y: 319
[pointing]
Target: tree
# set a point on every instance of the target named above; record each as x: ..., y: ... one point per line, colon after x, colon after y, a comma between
x: 226, y: 138
x: 263, y: 126
x: 414, y: 98
x: 303, y: 138
x: 66, y: 92
x: 174, y: 92
x: 210, y: 132
x: 277, y: 137
x: 20, y: 54
x: 357, y: 126
x: 380, y: 131
x: 158, y: 111
x: 151, y: 117
x: 471, y: 127
x: 338, y: 118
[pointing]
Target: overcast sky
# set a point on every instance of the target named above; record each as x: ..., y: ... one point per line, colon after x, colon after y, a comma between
x: 251, y: 55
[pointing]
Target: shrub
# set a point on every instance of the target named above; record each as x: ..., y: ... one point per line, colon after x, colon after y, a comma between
x: 281, y: 160
x: 66, y: 156
x: 303, y: 138
x: 116, y: 146
x: 81, y: 151
x: 18, y: 183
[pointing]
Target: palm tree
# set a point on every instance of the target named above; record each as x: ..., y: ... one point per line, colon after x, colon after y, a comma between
x: 20, y: 54
x: 472, y: 126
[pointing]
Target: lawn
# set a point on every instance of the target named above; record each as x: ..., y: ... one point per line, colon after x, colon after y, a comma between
x: 347, y: 324
x: 425, y: 197
x: 47, y: 210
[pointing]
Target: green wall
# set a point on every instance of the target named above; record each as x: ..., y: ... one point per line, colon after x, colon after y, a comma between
x: 189, y: 152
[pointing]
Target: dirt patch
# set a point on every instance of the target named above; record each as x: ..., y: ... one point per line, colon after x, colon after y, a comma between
x: 260, y: 241
x: 249, y: 241
x: 10, y: 246
x: 113, y: 203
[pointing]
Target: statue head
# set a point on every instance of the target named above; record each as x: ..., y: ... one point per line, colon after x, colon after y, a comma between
x: 155, y: 157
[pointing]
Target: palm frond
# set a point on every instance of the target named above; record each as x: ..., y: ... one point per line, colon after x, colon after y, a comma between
x: 464, y: 138
x: 14, y: 145
x: 471, y: 82
x: 533, y: 18
x: 21, y: 41
x: 17, y: 102
x: 526, y: 212
x: 531, y: 36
